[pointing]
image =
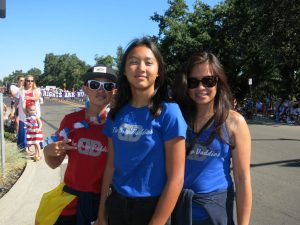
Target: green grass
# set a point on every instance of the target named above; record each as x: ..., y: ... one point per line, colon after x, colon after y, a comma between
x: 15, y: 162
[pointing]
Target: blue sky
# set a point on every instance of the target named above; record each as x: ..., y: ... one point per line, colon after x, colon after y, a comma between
x: 33, y: 28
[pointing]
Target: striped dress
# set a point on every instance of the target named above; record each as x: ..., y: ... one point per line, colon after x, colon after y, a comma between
x: 33, y: 136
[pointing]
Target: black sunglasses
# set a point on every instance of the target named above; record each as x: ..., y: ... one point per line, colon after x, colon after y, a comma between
x: 96, y: 85
x: 207, y: 81
x: 29, y: 81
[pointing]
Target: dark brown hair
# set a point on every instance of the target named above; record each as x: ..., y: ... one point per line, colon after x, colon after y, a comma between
x: 222, y: 101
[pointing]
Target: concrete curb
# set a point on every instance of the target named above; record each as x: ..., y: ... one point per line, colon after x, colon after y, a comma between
x: 19, y: 190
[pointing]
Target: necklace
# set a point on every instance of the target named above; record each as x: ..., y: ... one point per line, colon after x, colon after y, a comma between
x: 100, y: 118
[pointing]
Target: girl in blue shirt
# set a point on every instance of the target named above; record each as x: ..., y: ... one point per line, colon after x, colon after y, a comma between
x: 145, y: 167
x: 216, y: 136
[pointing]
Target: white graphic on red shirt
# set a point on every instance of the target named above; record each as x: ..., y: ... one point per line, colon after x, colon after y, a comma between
x: 90, y: 147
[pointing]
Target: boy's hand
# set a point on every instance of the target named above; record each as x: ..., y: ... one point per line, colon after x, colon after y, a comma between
x: 59, y: 148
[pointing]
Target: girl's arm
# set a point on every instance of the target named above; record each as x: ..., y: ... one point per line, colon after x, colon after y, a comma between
x: 40, y: 123
x: 241, y: 156
x: 55, y: 152
x: 106, y: 182
x: 35, y: 97
x: 175, y: 161
x: 15, y: 105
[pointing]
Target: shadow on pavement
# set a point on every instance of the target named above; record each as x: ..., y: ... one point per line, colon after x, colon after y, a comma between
x: 287, y: 163
x: 275, y: 139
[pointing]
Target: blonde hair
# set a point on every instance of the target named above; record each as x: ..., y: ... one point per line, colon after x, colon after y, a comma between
x: 34, y: 84
x: 34, y: 87
x: 22, y: 90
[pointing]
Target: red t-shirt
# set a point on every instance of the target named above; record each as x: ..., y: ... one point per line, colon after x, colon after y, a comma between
x: 86, y: 165
x: 29, y: 102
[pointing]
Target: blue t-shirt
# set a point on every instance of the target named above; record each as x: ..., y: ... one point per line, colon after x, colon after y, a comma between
x: 139, y: 151
x: 207, y: 168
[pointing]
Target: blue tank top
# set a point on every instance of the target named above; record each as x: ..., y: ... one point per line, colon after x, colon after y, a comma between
x: 207, y: 168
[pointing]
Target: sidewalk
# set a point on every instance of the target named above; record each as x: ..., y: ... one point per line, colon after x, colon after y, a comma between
x: 19, y: 205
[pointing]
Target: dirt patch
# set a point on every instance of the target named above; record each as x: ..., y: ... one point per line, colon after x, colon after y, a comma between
x: 10, y: 178
x: 15, y: 162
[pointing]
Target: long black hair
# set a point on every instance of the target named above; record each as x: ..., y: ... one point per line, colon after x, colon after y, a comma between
x: 124, y: 94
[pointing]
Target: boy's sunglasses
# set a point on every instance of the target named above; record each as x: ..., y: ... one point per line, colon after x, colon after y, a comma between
x: 96, y: 85
x: 207, y: 81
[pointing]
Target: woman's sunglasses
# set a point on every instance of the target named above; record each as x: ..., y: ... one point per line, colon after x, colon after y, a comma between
x: 28, y: 81
x: 207, y: 81
x: 96, y: 85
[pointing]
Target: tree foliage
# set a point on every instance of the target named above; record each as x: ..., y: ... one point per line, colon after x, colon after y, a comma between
x: 253, y: 39
x: 107, y: 60
x: 118, y: 59
x: 63, y: 69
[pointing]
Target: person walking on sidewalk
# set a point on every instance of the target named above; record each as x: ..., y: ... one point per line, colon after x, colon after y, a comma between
x: 216, y: 134
x: 146, y: 143
x: 80, y: 138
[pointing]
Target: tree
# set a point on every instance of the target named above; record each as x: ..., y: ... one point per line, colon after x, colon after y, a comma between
x: 60, y: 69
x: 36, y: 72
x: 182, y: 33
x: 118, y: 59
x: 253, y: 39
x: 107, y: 60
x: 12, y: 78
x: 173, y: 34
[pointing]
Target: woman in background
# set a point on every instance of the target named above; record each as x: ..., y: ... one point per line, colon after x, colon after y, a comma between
x: 27, y: 95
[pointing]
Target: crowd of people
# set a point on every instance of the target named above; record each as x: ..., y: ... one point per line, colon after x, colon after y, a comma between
x: 137, y: 156
x: 287, y: 111
x: 281, y: 110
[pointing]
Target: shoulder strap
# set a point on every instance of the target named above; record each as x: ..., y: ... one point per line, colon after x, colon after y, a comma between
x: 229, y: 134
x: 193, y: 140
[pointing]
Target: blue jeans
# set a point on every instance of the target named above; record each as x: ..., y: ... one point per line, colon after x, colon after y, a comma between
x: 129, y: 210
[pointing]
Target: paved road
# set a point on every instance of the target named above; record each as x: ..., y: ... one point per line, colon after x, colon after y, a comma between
x: 275, y: 167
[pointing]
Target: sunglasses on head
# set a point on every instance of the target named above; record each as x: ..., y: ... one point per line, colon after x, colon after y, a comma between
x: 206, y: 81
x: 96, y: 85
x: 29, y: 81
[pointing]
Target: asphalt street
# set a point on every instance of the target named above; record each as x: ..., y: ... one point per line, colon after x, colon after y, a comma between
x: 275, y: 170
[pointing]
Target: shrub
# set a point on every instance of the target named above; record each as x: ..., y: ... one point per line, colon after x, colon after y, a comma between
x: 9, y: 136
